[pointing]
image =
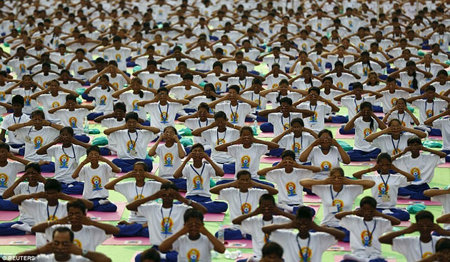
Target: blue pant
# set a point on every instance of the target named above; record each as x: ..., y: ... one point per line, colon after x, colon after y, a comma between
x: 266, y: 127
x: 87, y: 98
x: 234, y: 234
x: 258, y: 119
x: 82, y: 138
x: 414, y: 191
x: 212, y: 206
x: 447, y: 158
x: 110, y: 207
x: 221, y: 182
x: 359, y: 155
x: 94, y: 115
x: 397, y: 213
x: 435, y: 132
x: 229, y: 168
x: 133, y: 230
x: 104, y: 151
x: 349, y: 132
x: 377, y: 109
x: 276, y: 152
x: 339, y: 119
x: 16, y: 145
x: 74, y: 188
x: 7, y: 205
x: 372, y: 260
x: 127, y: 164
x: 7, y: 230
x: 180, y: 183
x: 343, y: 229
x: 48, y: 168
x: 171, y: 256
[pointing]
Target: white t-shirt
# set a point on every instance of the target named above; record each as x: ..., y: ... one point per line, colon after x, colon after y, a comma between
x: 36, y: 139
x: 48, y: 102
x: 444, y: 126
x: 289, y: 189
x: 95, y: 180
x: 133, y: 192
x: 281, y: 123
x: 296, y: 144
x: 42, y: 212
x: 150, y: 80
x: 253, y: 225
x: 389, y: 100
x: 51, y: 258
x: 236, y: 114
x: 407, y: 246
x: 334, y: 202
x: 163, y: 222
x: 353, y: 104
x: 8, y: 174
x: 29, y: 104
x: 362, y: 130
x: 241, y: 203
x: 312, y: 247
x: 10, y: 120
x: 422, y: 167
x: 66, y: 161
x: 162, y: 116
x: 131, y: 101
x: 197, y: 179
x: 386, y: 185
x: 89, y: 237
x: 169, y: 160
x: 257, y: 98
x: 275, y: 97
x: 405, y: 118
x: 109, y: 123
x: 325, y: 162
x: 392, y: 146
x: 103, y: 99
x: 215, y: 138
x: 316, y: 122
x: 248, y: 158
x: 119, y: 56
x: 362, y: 245
x: 73, y: 118
x: 193, y: 250
x: 427, y: 110
x: 25, y: 188
x: 132, y: 145
x: 195, y: 123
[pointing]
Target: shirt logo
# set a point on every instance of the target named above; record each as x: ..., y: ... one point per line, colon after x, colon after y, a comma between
x: 118, y: 58
x: 326, y: 166
x: 96, y: 183
x: 166, y: 226
x: 52, y: 218
x: 27, y: 100
x: 193, y: 255
x: 103, y: 100
x: 62, y: 62
x: 3, y: 180
x: 245, y: 162
x: 416, y: 173
x: 2, y: 96
x: 168, y: 160
x: 77, y: 243
x: 234, y: 117
x: 307, y: 253
x: 291, y: 189
x: 304, y: 46
x: 73, y: 122
x: 296, y: 147
x: 396, y: 151
x: 319, y: 62
x: 338, y: 204
x: 22, y: 68
x: 164, y: 116
x: 313, y: 118
x: 340, y: 85
x: 367, y: 132
x: 198, y: 183
x: 135, y: 106
x: 130, y: 146
x: 383, y: 189
x: 366, y: 239
x: 274, y: 86
x: 220, y: 141
x: 246, y: 208
x: 64, y: 161
x: 429, y: 113
x: 218, y: 86
x: 138, y: 197
x: 38, y: 141
x: 150, y: 83
x: 55, y: 104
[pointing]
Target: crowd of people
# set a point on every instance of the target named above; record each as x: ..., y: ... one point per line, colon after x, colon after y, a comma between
x: 248, y: 79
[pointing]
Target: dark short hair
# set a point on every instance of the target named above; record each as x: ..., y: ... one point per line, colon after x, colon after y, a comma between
x: 5, y: 146
x: 272, y: 248
x: 192, y: 213
x: 368, y: 200
x: 77, y: 204
x: 197, y: 145
x: 288, y: 153
x: 414, y: 139
x: 141, y: 163
x: 151, y: 254
x: 92, y: 148
x: 243, y: 173
x: 64, y: 230
x: 304, y: 212
x: 131, y: 115
x: 424, y: 214
x: 52, y: 184
x: 169, y: 185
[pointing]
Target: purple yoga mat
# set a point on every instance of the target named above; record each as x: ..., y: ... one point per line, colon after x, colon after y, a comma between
x: 214, y: 217
x: 340, y: 246
x: 241, y: 243
x: 26, y: 240
x: 8, y: 215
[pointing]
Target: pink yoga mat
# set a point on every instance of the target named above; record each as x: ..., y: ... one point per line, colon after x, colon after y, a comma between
x: 8, y: 215
x: 228, y: 176
x: 108, y: 216
x: 435, y: 137
x: 266, y: 135
x: 404, y: 224
x: 214, y: 217
x: 270, y: 160
x: 242, y: 243
x: 244, y: 256
x: 340, y: 246
x: 334, y: 124
x: 364, y: 163
x: 445, y: 165
x: 412, y: 202
x: 127, y: 241
x: 26, y: 240
x: 340, y: 257
x: 311, y: 199
x: 341, y: 136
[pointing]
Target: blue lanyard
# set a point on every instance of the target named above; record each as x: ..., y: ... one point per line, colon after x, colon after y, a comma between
x: 259, y: 100
x: 370, y: 233
x: 218, y: 140
x: 201, y: 172
x: 385, y: 182
x: 54, y: 213
x: 245, y: 83
x: 398, y: 143
x: 164, y: 117
x: 331, y: 193
x: 306, y: 254
x: 14, y: 118
x: 142, y: 191
x: 246, y: 199
x: 282, y: 121
x: 266, y: 236
x: 314, y: 113
x: 35, y: 191
x: 166, y: 220
x: 403, y: 118
x: 420, y: 245
x: 73, y: 150
x: 356, y: 105
x: 234, y: 114
x: 293, y: 143
x: 131, y: 140
x: 200, y: 123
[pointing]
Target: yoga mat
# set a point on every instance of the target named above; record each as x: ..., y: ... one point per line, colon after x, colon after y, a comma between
x: 341, y: 136
x: 311, y: 199
x: 243, y: 256
x: 8, y: 215
x: 266, y: 135
x: 127, y: 241
x: 228, y: 177
x: 316, y: 208
x: 340, y: 246
x: 77, y: 196
x: 363, y: 163
x: 412, y: 202
x: 334, y: 124
x: 340, y: 257
x: 435, y: 138
x: 209, y: 217
x: 108, y: 216
x: 241, y: 243
x: 445, y: 165
x: 270, y: 160
x: 404, y: 224
x: 26, y: 240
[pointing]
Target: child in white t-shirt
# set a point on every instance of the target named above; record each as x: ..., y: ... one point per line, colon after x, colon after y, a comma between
x: 193, y: 241
x: 17, y: 117
x: 401, y: 112
x: 102, y: 92
x: 287, y: 175
x: 386, y: 186
x: 366, y: 225
x: 304, y: 245
x: 26, y: 88
x: 115, y: 119
x: 442, y: 121
x: 96, y: 175
x: 198, y: 175
x: 132, y: 140
x: 170, y: 154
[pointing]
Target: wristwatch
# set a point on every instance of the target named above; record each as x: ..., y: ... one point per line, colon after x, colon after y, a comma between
x: 84, y: 252
x: 189, y: 202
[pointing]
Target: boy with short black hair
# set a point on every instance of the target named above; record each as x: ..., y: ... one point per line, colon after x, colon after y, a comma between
x: 17, y: 117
